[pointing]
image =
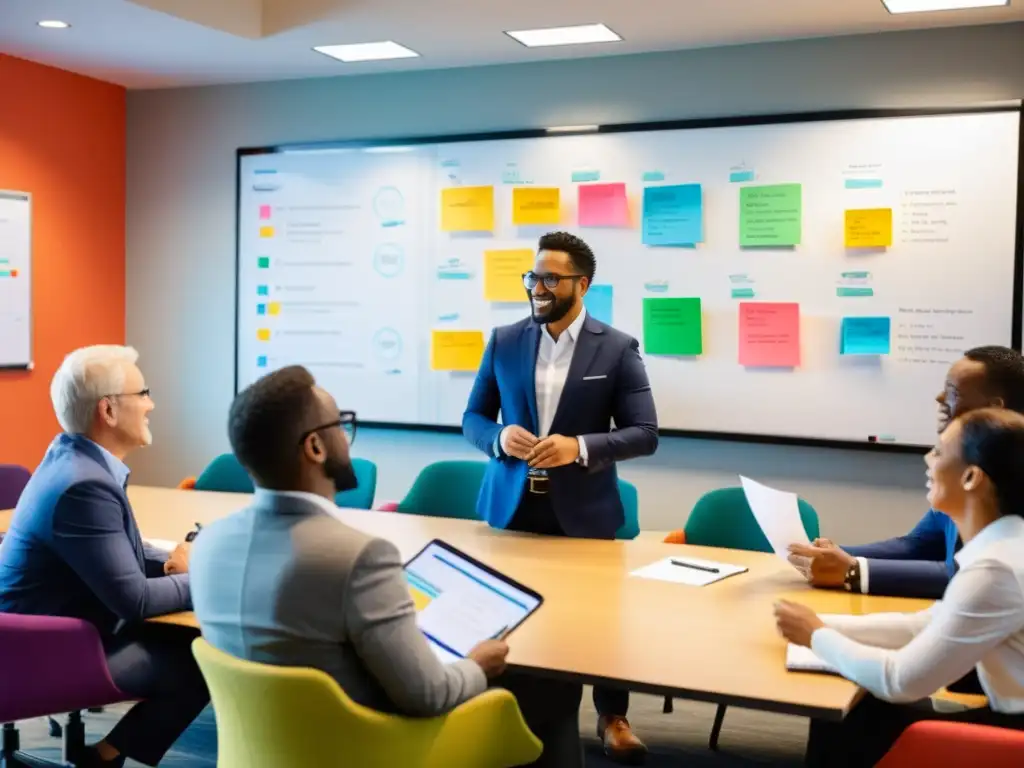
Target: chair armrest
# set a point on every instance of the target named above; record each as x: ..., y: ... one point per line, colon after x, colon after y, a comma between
x: 486, y: 730
x: 387, y: 506
x: 676, y: 537
x: 936, y: 742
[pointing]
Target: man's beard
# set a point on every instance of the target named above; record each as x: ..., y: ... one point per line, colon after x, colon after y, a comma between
x: 342, y: 473
x: 559, y: 309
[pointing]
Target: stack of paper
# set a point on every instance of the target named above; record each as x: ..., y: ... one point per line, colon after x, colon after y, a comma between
x: 688, y: 570
x: 802, y: 659
x: 778, y: 514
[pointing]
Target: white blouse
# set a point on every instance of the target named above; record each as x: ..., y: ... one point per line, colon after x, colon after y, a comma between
x: 979, y: 622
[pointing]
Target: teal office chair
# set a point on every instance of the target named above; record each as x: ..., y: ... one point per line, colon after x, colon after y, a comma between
x: 723, y: 518
x: 225, y: 474
x: 445, y: 489
x: 631, y: 504
x: 360, y: 497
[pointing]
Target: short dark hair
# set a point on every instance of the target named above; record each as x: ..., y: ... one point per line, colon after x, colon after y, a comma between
x: 265, y: 422
x: 1004, y: 373
x: 992, y: 439
x: 579, y: 252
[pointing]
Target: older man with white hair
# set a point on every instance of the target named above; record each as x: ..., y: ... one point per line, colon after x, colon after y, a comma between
x: 74, y: 549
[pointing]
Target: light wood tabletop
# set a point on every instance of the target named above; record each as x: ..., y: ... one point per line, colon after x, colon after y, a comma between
x: 716, y: 643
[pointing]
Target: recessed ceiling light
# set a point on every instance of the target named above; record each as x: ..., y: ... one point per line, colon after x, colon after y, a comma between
x: 53, y: 24
x: 366, y: 51
x: 584, y: 33
x: 919, y: 6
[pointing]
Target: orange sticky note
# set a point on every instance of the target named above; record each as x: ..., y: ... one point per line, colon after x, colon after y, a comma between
x: 456, y: 350
x: 503, y: 274
x: 274, y: 308
x: 769, y: 334
x: 263, y: 334
x: 467, y: 209
x: 266, y: 231
x: 536, y: 205
x: 14, y: 273
x: 868, y: 228
x: 603, y: 205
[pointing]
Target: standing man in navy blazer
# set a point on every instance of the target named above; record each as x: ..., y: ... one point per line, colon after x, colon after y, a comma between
x: 560, y: 378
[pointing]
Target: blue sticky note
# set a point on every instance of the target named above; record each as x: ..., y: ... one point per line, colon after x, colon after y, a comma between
x: 673, y: 215
x: 653, y: 176
x: 741, y: 175
x: 261, y: 361
x: 261, y: 309
x: 262, y: 290
x: 863, y: 184
x: 865, y: 336
x: 598, y: 301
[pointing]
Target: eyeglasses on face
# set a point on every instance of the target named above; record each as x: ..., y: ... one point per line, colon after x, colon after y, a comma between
x: 346, y: 421
x: 530, y: 280
x: 140, y: 393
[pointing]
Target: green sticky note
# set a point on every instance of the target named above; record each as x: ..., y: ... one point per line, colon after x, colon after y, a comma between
x: 771, y: 215
x: 672, y: 327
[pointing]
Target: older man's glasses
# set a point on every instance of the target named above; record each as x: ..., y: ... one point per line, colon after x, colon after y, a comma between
x: 346, y: 421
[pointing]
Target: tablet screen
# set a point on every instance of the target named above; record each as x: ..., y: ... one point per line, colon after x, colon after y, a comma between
x: 461, y: 602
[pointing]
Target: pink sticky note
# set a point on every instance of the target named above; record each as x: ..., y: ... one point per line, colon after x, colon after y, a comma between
x: 603, y: 205
x: 264, y: 211
x: 769, y: 334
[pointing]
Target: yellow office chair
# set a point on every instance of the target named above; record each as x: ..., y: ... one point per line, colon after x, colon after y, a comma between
x: 293, y: 717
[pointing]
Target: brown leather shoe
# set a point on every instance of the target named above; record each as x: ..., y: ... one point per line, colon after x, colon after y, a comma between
x: 620, y: 743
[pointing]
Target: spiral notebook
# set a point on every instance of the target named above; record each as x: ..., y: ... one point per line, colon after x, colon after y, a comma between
x: 801, y: 659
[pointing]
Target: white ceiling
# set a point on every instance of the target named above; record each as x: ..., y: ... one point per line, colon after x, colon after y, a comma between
x: 160, y: 43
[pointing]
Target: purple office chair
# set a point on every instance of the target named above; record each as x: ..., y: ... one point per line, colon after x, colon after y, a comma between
x: 13, y: 479
x: 48, y: 665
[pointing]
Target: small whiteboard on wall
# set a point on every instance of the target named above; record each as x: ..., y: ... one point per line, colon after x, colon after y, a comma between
x: 15, y: 279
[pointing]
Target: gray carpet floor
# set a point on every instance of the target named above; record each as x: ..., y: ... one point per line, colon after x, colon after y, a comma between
x: 680, y: 739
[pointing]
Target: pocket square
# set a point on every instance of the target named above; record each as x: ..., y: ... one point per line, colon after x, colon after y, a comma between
x: 594, y: 378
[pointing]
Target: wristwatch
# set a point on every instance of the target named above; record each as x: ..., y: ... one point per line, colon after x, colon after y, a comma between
x: 852, y: 580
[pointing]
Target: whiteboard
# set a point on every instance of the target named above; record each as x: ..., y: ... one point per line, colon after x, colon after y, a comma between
x: 343, y: 265
x: 15, y: 279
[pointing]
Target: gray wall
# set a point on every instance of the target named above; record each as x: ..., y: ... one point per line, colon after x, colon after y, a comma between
x: 181, y: 219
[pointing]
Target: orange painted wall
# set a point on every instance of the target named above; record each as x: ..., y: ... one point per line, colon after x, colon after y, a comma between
x: 62, y: 138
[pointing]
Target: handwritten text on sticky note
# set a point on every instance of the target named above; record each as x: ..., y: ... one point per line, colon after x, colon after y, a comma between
x: 769, y: 334
x: 536, y: 206
x: 603, y: 205
x: 456, y: 350
x: 868, y: 228
x: 503, y: 274
x: 467, y: 209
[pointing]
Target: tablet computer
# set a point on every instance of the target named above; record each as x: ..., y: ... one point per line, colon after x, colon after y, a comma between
x: 461, y: 602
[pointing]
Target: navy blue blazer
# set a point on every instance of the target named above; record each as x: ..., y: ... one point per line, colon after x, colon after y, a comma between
x: 606, y: 380
x: 73, y: 547
x: 919, y: 564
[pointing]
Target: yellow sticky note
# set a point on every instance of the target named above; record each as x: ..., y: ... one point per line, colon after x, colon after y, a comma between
x: 456, y: 350
x: 274, y: 308
x: 536, y: 205
x: 266, y: 231
x: 503, y: 274
x: 467, y: 209
x: 263, y: 334
x: 869, y: 228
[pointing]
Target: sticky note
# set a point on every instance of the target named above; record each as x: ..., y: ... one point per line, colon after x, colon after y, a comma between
x: 868, y: 228
x: 769, y: 334
x: 740, y: 175
x: 456, y: 350
x: 264, y: 212
x: 865, y: 336
x: 603, y: 205
x: 266, y: 231
x: 261, y: 309
x: 771, y: 215
x: 261, y: 361
x: 673, y: 215
x: 263, y: 262
x: 536, y: 205
x: 598, y: 302
x: 262, y: 290
x: 503, y: 274
x: 672, y: 326
x: 467, y: 209
x: 263, y: 334
x: 274, y: 308
x: 14, y: 273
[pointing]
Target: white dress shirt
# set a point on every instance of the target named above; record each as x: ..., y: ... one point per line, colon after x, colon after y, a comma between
x: 553, y: 360
x: 979, y: 622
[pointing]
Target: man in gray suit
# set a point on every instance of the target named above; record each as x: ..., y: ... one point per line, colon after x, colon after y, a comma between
x: 286, y: 582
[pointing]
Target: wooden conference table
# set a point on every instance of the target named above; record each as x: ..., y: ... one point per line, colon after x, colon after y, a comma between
x: 716, y: 643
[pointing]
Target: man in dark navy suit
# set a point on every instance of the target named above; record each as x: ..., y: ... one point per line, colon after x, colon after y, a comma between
x: 560, y: 378
x: 74, y: 549
x: 920, y: 564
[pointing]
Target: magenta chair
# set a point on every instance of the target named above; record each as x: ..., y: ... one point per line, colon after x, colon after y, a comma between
x: 50, y: 665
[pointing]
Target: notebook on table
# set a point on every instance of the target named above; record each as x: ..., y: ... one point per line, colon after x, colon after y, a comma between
x: 801, y: 659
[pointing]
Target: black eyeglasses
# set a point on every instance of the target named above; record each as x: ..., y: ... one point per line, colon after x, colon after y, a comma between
x: 530, y: 280
x: 140, y: 393
x: 346, y: 421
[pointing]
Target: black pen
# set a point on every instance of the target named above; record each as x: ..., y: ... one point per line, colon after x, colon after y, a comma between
x: 500, y: 634
x: 191, y: 535
x: 694, y: 566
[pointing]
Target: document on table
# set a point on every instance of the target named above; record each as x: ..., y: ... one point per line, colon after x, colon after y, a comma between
x: 778, y: 514
x: 165, y: 544
x: 802, y: 659
x: 688, y: 570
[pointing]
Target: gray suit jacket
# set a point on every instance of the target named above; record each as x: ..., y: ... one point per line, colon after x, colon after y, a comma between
x: 285, y: 582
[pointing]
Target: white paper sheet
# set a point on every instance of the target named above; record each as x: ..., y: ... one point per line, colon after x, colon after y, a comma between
x: 778, y: 514
x: 666, y: 570
x: 165, y: 544
x: 802, y: 659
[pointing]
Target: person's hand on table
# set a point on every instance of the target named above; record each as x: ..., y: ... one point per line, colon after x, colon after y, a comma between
x: 822, y: 563
x: 518, y: 442
x: 554, y: 451
x: 490, y: 655
x: 177, y: 562
x: 796, y: 622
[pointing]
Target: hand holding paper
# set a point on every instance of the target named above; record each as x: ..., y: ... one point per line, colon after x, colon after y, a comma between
x: 778, y: 514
